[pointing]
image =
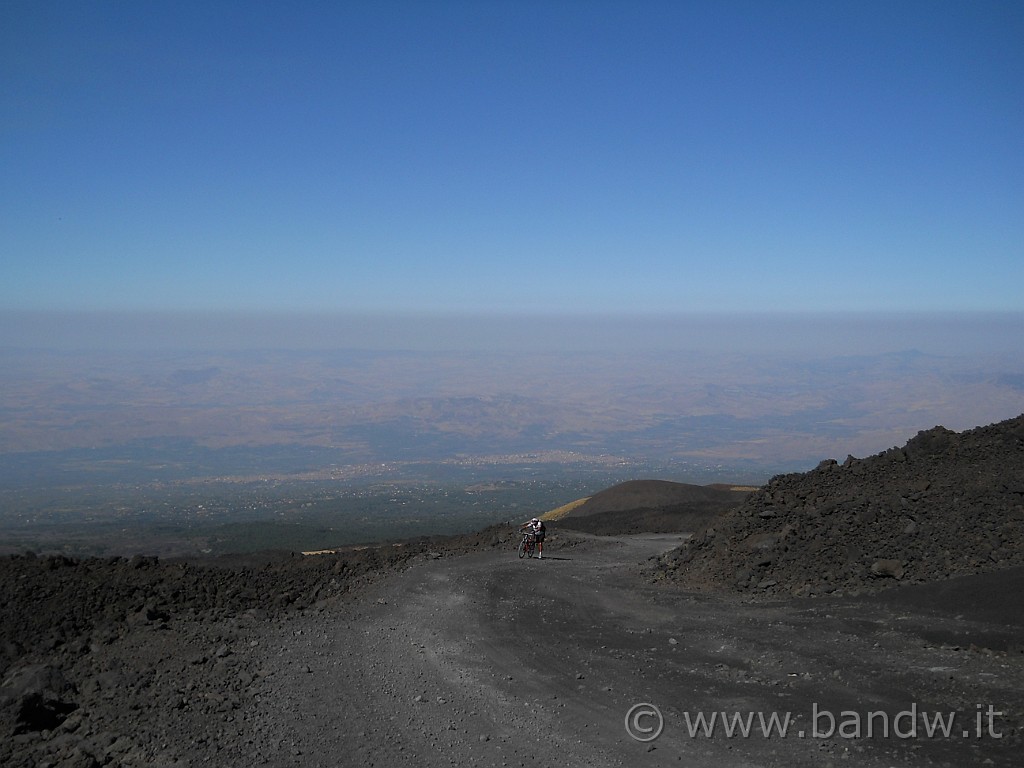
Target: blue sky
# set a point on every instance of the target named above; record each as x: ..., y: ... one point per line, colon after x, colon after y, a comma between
x: 512, y: 156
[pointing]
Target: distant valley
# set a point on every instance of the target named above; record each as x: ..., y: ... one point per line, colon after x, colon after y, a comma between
x: 321, y: 408
x: 84, y: 434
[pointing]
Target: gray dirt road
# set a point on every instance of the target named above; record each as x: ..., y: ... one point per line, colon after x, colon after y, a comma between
x: 491, y: 660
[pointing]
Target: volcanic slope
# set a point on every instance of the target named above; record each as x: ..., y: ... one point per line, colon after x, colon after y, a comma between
x: 650, y: 506
x: 945, y: 504
x: 487, y: 659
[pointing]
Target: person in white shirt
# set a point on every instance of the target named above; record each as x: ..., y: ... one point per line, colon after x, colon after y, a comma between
x: 537, y: 528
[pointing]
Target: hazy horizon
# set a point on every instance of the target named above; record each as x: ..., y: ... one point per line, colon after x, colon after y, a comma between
x: 192, y: 420
x: 762, y: 388
x: 813, y: 333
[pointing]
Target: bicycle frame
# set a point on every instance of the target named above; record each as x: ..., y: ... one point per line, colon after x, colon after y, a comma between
x: 528, y: 544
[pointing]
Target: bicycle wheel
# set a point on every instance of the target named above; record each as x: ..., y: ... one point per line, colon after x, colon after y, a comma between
x: 522, y: 549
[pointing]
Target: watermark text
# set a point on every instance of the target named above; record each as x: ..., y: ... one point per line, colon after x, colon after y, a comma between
x: 645, y: 722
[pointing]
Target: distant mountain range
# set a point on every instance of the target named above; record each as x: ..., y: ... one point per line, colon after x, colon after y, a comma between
x: 139, y: 416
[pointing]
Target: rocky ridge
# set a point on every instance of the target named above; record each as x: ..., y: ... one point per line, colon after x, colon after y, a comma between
x: 650, y: 506
x: 945, y: 504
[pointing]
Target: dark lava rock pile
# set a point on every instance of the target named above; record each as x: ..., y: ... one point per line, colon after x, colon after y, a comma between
x: 945, y: 504
x: 119, y: 662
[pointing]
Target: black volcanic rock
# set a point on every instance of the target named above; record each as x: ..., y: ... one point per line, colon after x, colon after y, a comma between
x: 945, y: 504
x: 38, y: 697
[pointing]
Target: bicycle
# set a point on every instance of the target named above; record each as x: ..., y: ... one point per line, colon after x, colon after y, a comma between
x: 528, y: 545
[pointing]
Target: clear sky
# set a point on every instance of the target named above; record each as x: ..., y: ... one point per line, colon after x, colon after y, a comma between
x: 512, y: 156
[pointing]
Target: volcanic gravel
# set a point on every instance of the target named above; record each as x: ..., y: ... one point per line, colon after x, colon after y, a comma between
x: 138, y: 661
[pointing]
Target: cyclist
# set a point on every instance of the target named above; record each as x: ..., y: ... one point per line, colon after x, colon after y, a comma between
x: 536, y: 527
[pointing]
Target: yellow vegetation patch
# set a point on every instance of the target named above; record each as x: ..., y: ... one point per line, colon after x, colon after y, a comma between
x: 565, y: 509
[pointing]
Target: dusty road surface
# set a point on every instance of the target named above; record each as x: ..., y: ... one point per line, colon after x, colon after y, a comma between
x: 489, y: 660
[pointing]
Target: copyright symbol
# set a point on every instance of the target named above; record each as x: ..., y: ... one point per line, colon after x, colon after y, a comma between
x: 637, y: 725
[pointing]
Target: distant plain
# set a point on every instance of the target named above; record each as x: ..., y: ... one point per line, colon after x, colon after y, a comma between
x: 101, y: 446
